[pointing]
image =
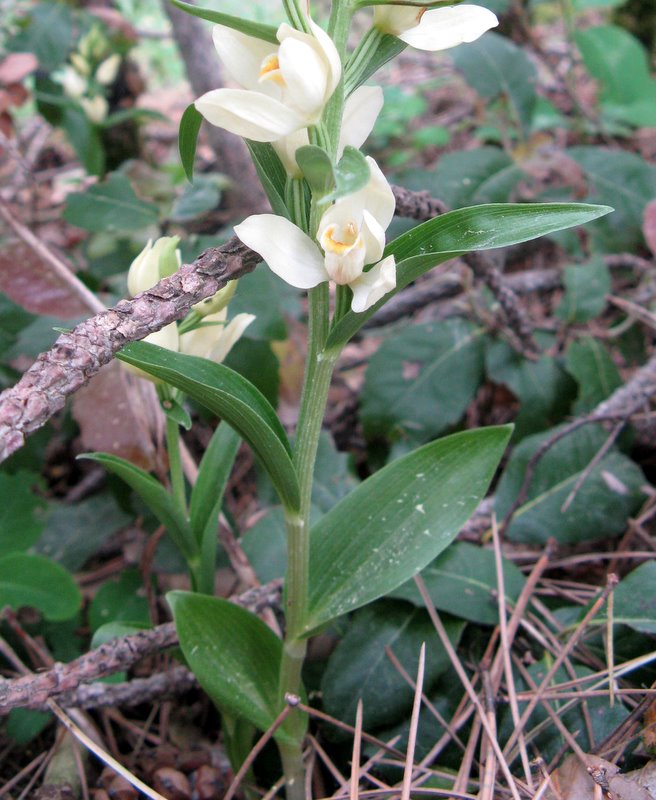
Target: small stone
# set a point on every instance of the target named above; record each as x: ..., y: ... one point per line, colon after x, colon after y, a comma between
x: 208, y: 783
x: 120, y: 789
x: 172, y: 784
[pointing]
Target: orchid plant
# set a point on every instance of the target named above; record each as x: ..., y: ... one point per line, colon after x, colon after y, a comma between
x: 305, y: 111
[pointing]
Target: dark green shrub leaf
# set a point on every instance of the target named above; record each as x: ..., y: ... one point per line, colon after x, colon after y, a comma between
x: 22, y: 513
x: 591, y: 366
x: 123, y: 600
x: 202, y: 196
x: 35, y: 581
x: 586, y: 287
x: 463, y: 581
x: 421, y: 380
x: 110, y: 206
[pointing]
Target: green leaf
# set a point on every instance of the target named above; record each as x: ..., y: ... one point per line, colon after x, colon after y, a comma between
x: 610, y: 493
x: 22, y: 514
x: 231, y: 397
x: 351, y: 174
x: 422, y: 379
x: 234, y: 655
x: 586, y: 287
x: 271, y: 173
x: 110, y: 206
x: 265, y: 545
x: 543, y: 388
x: 48, y: 34
x: 397, y: 522
x: 35, y: 581
x: 123, y: 600
x: 495, y: 66
x: 634, y: 601
x: 468, y: 177
x: 188, y: 137
x: 155, y: 496
x: 207, y: 497
x: 317, y: 168
x: 256, y: 362
x: 359, y: 667
x: 85, y: 138
x: 591, y: 366
x: 626, y: 180
x: 332, y: 478
x: 458, y: 232
x: 262, y: 293
x: 355, y: 74
x: 610, y: 53
x: 202, y: 196
x: 247, y: 26
x: 176, y: 411
x: 463, y: 581
x: 23, y: 724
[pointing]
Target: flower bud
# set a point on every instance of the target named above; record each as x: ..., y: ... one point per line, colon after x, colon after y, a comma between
x: 396, y: 19
x: 108, y: 69
x: 214, y: 338
x: 74, y: 84
x: 154, y: 262
x: 218, y: 301
x: 80, y: 63
x: 95, y: 108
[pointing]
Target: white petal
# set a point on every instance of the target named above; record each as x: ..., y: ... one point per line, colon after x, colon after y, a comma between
x: 371, y: 286
x: 347, y: 209
x: 286, y: 149
x: 330, y: 54
x: 378, y: 197
x: 373, y: 235
x: 230, y: 336
x: 249, y: 114
x: 305, y: 75
x: 396, y: 19
x: 360, y: 113
x: 242, y: 55
x: 289, y: 252
x: 441, y: 28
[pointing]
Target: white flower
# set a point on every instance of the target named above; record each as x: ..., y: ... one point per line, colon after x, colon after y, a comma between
x: 351, y: 235
x: 74, y: 84
x: 154, y: 262
x: 95, y: 108
x: 285, y: 87
x: 108, y: 69
x: 436, y: 28
x: 214, y: 338
x: 360, y: 113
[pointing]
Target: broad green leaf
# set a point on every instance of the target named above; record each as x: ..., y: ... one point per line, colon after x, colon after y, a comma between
x: 117, y: 629
x: 544, y: 389
x: 231, y: 397
x: 610, y: 493
x: 85, y: 138
x: 23, y: 724
x: 234, y: 655
x: 591, y: 366
x: 463, y: 581
x: 22, y: 513
x: 468, y: 177
x: 123, y: 600
x: 586, y: 287
x: 256, y: 362
x: 317, y: 168
x: 359, y: 667
x: 397, y: 522
x: 634, y: 601
x: 247, y: 26
x: 207, y: 497
x: 35, y: 581
x: 421, y: 379
x: 110, y: 206
x: 626, y: 180
x: 155, y: 496
x: 188, y: 137
x: 610, y: 54
x: 458, y: 232
x: 351, y: 174
x: 202, y: 196
x: 496, y: 67
x: 271, y: 173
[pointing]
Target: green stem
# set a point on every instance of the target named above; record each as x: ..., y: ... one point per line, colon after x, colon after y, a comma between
x: 296, y: 14
x: 175, y: 464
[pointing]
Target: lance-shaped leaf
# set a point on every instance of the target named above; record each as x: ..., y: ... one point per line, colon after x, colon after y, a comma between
x: 234, y: 655
x: 230, y: 396
x: 155, y: 496
x: 271, y: 173
x: 458, y: 232
x: 187, y: 138
x: 247, y: 26
x: 357, y: 71
x: 207, y: 497
x: 397, y: 522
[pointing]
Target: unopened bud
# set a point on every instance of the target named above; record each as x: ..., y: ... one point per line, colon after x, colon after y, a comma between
x: 108, y: 69
x: 396, y: 19
x: 154, y: 262
x: 95, y: 108
x: 218, y: 301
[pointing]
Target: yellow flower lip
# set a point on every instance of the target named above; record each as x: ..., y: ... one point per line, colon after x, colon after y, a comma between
x: 350, y: 237
x: 270, y: 70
